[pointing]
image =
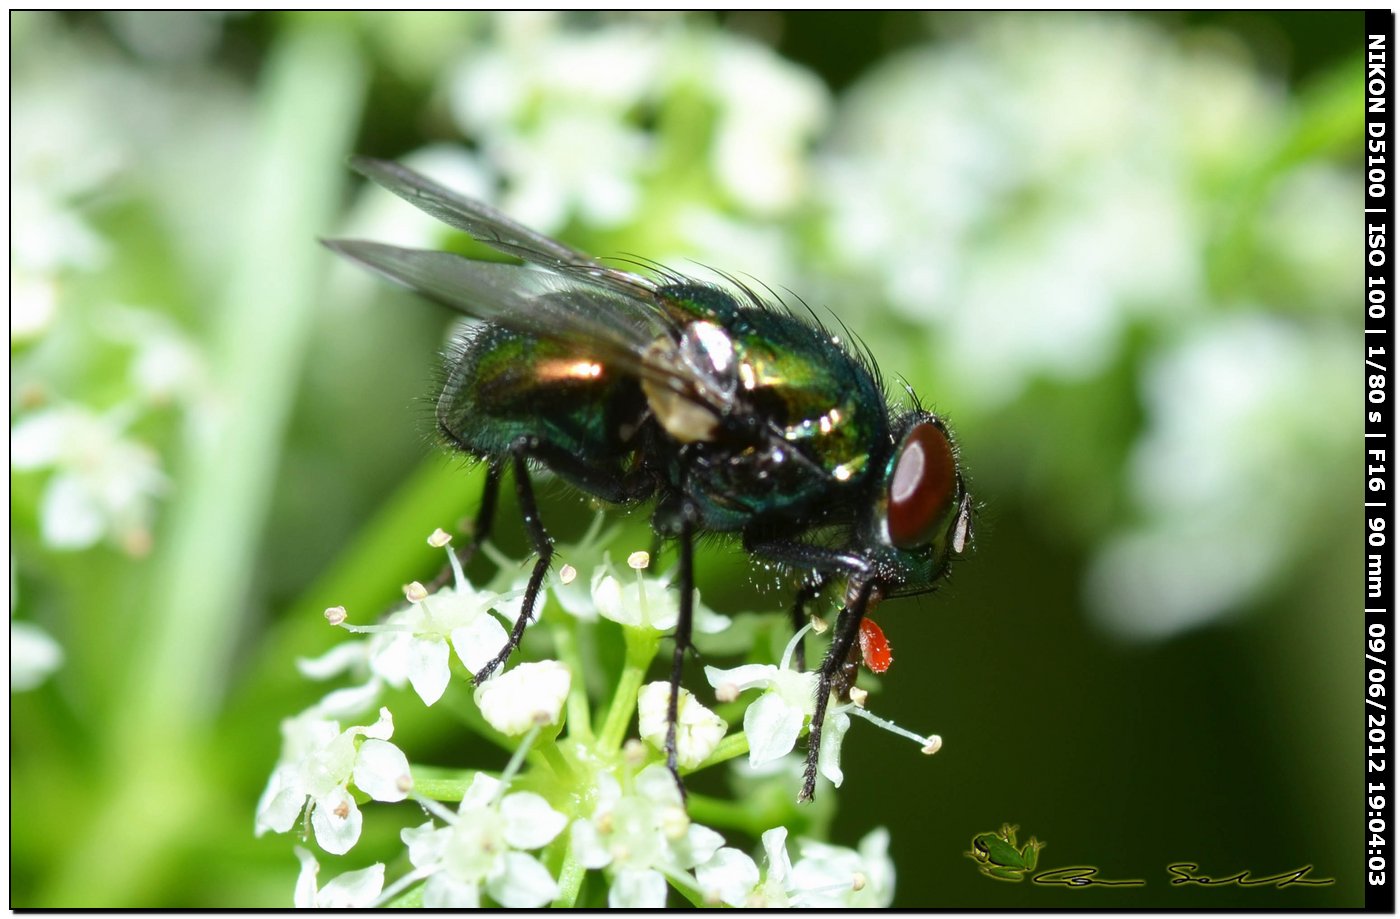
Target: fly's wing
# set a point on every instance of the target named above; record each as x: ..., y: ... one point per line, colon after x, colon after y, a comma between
x: 493, y: 228
x: 620, y: 328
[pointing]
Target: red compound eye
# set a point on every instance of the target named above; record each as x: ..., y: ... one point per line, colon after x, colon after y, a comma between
x: 921, y: 489
x: 874, y: 647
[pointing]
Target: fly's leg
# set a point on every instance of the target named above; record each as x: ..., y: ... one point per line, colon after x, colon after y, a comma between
x: 544, y: 550
x: 481, y: 525
x: 847, y: 627
x: 686, y: 576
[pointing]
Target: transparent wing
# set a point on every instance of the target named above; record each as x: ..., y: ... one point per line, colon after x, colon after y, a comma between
x: 623, y: 330
x: 493, y: 228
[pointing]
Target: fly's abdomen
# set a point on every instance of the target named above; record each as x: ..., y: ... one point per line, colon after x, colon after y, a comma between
x: 506, y: 385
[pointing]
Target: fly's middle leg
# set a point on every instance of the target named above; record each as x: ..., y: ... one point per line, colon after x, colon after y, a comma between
x: 481, y: 524
x: 544, y: 551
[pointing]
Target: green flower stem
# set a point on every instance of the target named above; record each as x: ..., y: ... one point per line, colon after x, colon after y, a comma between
x: 441, y: 784
x: 736, y: 744
x: 684, y: 885
x: 570, y: 879
x: 580, y: 719
x: 549, y: 750
x: 642, y: 645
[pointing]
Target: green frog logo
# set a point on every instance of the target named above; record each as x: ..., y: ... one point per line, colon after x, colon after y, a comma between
x: 998, y: 857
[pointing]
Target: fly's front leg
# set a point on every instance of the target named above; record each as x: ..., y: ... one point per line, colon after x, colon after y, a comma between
x: 847, y: 627
x: 481, y: 524
x: 544, y: 550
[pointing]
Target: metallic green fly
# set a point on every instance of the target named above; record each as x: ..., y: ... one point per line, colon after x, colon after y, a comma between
x: 729, y: 412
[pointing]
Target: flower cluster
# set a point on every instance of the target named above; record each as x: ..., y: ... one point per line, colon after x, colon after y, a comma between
x: 577, y: 796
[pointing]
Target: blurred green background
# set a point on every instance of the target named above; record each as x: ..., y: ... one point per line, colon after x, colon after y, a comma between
x: 1119, y: 253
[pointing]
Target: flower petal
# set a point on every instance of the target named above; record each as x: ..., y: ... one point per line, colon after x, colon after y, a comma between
x: 281, y: 802
x: 427, y: 668
x: 637, y: 890
x: 829, y: 754
x: 353, y: 888
x: 443, y: 891
x: 427, y: 843
x: 304, y: 896
x: 381, y: 771
x: 746, y: 676
x: 337, y: 821
x: 479, y: 641
x: 588, y: 845
x: 772, y: 727
x: 525, y: 883
x: 530, y: 822
x: 728, y: 877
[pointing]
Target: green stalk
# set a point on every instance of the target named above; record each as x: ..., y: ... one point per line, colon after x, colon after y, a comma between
x: 580, y: 718
x: 570, y: 880
x: 736, y: 744
x: 642, y: 645
x: 308, y: 106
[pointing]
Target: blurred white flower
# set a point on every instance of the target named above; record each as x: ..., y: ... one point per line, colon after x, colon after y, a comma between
x: 33, y: 656
x: 33, y: 304
x: 646, y: 601
x: 825, y: 876
x: 641, y: 836
x: 1225, y: 474
x: 698, y: 730
x: 484, y: 846
x: 318, y: 761
x: 770, y: 110
x: 353, y: 889
x: 526, y: 696
x: 347, y: 657
x: 1023, y: 233
x: 103, y: 484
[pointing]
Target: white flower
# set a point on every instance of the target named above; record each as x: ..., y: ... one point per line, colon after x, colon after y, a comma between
x: 349, y: 890
x: 414, y: 644
x: 774, y: 721
x: 825, y: 877
x: 103, y: 483
x: 698, y: 730
x: 318, y: 761
x: 525, y: 696
x: 346, y: 657
x: 484, y: 847
x: 646, y: 602
x: 837, y: 877
x: 33, y: 656
x: 641, y: 836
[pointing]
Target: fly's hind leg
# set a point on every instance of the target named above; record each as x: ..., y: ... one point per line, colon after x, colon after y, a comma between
x: 481, y: 524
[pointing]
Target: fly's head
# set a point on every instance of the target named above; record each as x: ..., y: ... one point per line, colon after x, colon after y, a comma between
x: 921, y: 515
